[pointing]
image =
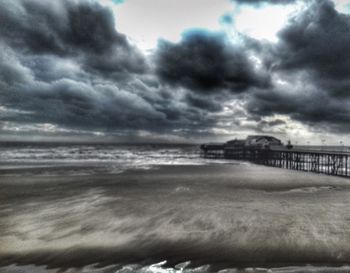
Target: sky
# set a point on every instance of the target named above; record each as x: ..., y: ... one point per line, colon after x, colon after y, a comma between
x: 175, y: 71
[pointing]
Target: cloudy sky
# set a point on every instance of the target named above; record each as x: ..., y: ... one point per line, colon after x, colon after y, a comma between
x: 171, y: 70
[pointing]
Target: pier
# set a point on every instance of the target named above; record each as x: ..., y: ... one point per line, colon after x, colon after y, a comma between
x: 335, y: 163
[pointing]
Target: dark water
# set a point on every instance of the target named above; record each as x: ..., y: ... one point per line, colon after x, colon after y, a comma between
x: 87, y: 159
x: 161, y: 208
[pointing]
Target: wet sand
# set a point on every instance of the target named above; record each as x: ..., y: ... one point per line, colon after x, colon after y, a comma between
x: 224, y: 216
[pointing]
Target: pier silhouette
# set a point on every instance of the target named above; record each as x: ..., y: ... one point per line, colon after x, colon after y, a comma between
x: 270, y: 151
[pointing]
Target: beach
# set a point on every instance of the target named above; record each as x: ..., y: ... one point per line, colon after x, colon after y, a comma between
x: 235, y: 217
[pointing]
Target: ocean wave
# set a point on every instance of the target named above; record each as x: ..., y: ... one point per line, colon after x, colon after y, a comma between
x: 157, y: 268
x: 88, y: 159
x: 245, y: 217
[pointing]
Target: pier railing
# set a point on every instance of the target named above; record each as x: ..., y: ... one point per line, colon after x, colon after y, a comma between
x: 325, y: 162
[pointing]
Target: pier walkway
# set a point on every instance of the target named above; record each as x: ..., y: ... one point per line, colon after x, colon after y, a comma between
x: 318, y: 161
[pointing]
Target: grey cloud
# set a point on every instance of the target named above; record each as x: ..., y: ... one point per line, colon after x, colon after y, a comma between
x: 81, y: 105
x: 317, y: 40
x: 63, y: 63
x: 312, y: 58
x: 73, y: 98
x: 77, y: 29
x: 212, y: 104
x: 11, y: 70
x: 48, y: 68
x: 312, y: 107
x: 273, y: 123
x: 207, y: 62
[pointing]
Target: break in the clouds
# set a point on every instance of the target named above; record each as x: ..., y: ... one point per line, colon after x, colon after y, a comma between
x: 71, y: 68
x: 257, y: 2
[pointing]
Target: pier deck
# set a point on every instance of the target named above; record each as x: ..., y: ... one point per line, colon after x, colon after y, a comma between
x: 318, y: 161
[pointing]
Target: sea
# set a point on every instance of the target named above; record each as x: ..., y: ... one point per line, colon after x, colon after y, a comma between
x: 87, y: 159
x: 162, y: 208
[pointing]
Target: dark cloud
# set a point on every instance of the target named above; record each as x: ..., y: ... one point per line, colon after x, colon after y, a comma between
x: 312, y: 59
x: 80, y: 105
x: 63, y: 63
x: 213, y: 104
x: 57, y: 91
x: 206, y: 62
x: 77, y: 29
x: 11, y: 70
x: 308, y: 105
x: 317, y: 41
x: 273, y: 123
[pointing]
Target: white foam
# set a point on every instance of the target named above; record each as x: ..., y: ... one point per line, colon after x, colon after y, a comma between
x: 88, y: 159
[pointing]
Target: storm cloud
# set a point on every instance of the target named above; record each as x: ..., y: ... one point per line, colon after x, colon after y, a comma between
x: 206, y: 62
x: 65, y: 64
x: 83, y: 30
x: 318, y: 40
x: 312, y: 59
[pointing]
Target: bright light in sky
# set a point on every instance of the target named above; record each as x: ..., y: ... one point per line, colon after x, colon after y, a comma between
x: 263, y: 22
x: 147, y: 21
x: 343, y: 5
